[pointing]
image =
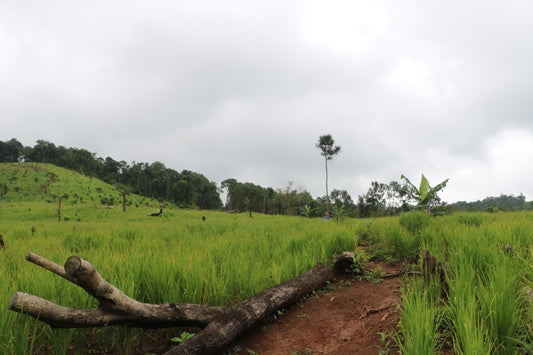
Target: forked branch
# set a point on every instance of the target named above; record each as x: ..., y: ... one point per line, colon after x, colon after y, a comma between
x: 221, y: 325
x: 114, y: 306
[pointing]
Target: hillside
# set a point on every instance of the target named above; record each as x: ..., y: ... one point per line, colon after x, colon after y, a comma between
x: 36, y: 182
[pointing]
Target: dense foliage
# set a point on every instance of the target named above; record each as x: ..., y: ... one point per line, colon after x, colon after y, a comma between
x: 152, y: 180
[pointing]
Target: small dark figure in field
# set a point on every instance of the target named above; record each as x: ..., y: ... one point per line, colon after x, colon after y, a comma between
x: 509, y: 251
x: 204, y: 219
x: 2, y: 245
x: 156, y: 214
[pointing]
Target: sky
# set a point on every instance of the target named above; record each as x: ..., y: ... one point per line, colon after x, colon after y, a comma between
x: 243, y: 89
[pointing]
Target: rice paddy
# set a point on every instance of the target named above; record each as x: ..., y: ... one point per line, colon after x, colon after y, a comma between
x: 179, y: 257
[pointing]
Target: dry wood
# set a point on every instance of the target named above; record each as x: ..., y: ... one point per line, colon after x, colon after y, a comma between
x: 433, y: 268
x: 221, y: 325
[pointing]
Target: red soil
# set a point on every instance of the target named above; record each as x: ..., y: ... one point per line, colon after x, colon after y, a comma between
x: 346, y: 319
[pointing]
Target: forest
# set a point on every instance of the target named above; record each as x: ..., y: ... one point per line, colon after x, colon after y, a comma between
x: 190, y: 189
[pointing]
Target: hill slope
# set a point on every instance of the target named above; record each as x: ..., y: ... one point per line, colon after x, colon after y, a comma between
x: 35, y: 182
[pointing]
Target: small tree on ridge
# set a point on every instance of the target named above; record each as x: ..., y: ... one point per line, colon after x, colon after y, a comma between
x: 328, y: 149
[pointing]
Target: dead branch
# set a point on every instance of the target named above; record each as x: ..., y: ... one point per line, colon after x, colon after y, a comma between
x: 221, y: 325
x: 114, y: 306
x: 433, y: 268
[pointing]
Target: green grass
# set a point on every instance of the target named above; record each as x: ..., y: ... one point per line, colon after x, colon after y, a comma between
x: 177, y: 257
x: 486, y: 311
x: 37, y: 182
x: 421, y: 333
x: 172, y: 258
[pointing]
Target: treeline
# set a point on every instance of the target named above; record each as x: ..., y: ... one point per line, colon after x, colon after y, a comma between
x: 190, y: 189
x: 383, y: 199
x: 495, y: 204
x: 152, y: 180
x: 248, y: 197
x: 186, y: 188
x: 392, y: 199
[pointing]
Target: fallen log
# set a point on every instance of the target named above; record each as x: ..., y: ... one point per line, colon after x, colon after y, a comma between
x: 220, y: 325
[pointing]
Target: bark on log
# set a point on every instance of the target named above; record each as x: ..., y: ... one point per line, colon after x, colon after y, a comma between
x: 243, y: 316
x: 221, y: 325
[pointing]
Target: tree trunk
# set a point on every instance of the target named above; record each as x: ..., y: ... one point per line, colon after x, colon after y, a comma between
x: 59, y: 208
x: 221, y: 325
x: 327, y: 192
x: 433, y: 268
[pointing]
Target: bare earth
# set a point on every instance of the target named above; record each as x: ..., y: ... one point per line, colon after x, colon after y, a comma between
x: 345, y: 319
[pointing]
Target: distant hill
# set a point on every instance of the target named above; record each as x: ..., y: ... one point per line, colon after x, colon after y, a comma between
x: 155, y: 180
x: 494, y: 204
x: 34, y: 182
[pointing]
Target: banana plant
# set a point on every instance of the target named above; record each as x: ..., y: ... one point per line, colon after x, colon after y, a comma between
x: 424, y: 195
x: 306, y: 211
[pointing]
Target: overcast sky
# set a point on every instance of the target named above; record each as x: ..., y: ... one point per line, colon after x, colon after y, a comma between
x: 243, y: 89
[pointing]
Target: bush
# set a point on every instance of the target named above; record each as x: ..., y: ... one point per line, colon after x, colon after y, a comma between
x: 414, y: 222
x: 470, y: 219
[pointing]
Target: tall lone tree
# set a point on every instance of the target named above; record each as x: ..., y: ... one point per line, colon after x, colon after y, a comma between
x: 328, y: 149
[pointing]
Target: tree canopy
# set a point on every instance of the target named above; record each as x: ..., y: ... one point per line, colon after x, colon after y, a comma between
x: 328, y: 150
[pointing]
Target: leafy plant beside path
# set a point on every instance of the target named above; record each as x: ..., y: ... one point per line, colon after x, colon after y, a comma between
x: 424, y: 195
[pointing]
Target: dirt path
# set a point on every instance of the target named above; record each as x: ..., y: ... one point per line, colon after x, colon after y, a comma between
x: 346, y: 319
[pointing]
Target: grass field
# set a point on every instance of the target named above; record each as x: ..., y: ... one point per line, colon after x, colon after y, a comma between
x: 177, y: 257
x: 488, y: 260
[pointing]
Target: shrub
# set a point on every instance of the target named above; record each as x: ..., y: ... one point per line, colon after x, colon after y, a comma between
x: 470, y: 219
x: 414, y: 222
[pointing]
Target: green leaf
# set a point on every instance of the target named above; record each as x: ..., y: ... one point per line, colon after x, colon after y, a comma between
x: 182, y: 338
x: 423, y: 194
x: 413, y: 190
x: 424, y: 187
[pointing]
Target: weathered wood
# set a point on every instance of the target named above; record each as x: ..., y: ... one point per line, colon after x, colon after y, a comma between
x: 344, y: 261
x: 221, y: 325
x: 50, y: 266
x: 433, y: 268
x: 245, y: 315
x: 114, y: 308
x: 143, y: 315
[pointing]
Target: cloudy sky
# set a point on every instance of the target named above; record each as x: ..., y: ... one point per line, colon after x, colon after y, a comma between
x: 243, y: 89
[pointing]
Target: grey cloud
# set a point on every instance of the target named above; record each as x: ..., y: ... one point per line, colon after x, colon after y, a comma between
x: 238, y: 89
